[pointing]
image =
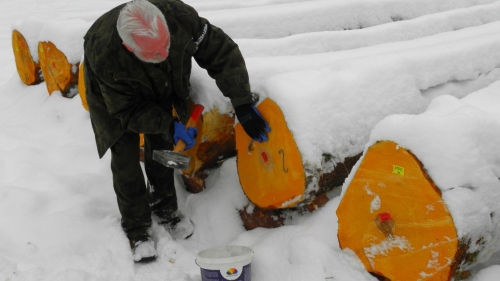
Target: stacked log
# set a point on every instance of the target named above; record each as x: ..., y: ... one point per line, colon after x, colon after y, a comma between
x: 275, y: 179
x: 215, y: 143
x: 25, y: 51
x: 423, y: 202
x: 81, y: 85
x: 60, y: 50
x: 59, y: 74
x: 414, y: 225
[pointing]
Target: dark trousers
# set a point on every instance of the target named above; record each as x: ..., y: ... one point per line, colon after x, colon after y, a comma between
x: 137, y: 201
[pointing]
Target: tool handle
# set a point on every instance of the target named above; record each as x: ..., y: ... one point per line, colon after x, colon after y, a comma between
x: 195, y: 115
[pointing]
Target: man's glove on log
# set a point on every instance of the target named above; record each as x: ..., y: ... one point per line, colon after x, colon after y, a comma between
x: 254, y: 125
x: 187, y: 135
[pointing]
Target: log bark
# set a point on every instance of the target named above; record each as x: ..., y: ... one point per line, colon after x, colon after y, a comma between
x: 253, y: 216
x: 58, y: 73
x: 29, y: 71
x: 393, y: 217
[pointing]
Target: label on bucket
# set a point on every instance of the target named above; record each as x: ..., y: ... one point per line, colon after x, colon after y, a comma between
x: 231, y: 273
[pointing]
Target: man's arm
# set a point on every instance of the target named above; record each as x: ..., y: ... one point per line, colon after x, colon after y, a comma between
x: 221, y: 57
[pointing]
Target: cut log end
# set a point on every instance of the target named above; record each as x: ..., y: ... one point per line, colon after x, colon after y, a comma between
x: 393, y: 217
x: 271, y: 173
x: 81, y: 86
x: 58, y: 73
x: 214, y: 143
x: 29, y: 71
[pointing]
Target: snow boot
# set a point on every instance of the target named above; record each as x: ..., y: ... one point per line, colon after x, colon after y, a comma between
x: 143, y: 250
x: 178, y: 226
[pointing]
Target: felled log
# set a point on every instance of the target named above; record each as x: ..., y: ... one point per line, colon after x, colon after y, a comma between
x: 81, y: 86
x: 273, y: 175
x: 215, y: 142
x: 28, y: 69
x: 427, y: 200
x: 253, y: 216
x: 393, y: 217
x: 60, y: 49
x: 59, y: 74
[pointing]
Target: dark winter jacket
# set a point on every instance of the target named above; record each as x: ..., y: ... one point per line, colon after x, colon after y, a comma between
x: 123, y: 93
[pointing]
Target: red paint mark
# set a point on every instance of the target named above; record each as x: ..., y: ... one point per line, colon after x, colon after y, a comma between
x: 53, y: 65
x: 385, y: 216
x: 264, y: 156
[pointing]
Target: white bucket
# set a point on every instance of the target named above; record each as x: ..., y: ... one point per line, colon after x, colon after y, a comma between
x: 225, y: 263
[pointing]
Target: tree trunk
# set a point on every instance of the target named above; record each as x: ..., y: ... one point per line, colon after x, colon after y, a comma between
x: 214, y: 144
x: 58, y: 73
x: 273, y: 175
x: 393, y: 217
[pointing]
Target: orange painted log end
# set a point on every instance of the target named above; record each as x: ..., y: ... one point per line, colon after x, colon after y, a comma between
x: 271, y: 173
x: 81, y: 86
x: 59, y: 74
x: 393, y: 217
x: 28, y: 70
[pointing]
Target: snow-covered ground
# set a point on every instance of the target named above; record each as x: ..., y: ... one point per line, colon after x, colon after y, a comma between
x: 334, y: 83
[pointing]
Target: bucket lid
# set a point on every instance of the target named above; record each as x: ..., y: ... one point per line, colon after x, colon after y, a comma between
x: 224, y: 254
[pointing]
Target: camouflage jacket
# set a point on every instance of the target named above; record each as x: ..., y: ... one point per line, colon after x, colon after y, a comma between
x: 123, y: 92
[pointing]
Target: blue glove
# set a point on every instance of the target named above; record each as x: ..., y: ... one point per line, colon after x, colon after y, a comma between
x: 188, y: 136
x: 254, y: 125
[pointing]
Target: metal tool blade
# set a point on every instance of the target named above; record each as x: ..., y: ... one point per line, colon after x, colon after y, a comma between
x: 172, y: 159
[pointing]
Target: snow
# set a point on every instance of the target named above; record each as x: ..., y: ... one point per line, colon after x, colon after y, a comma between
x: 428, y: 82
x: 303, y: 17
x: 67, y: 35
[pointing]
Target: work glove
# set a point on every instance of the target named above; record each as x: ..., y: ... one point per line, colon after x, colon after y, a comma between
x: 254, y: 125
x: 187, y: 135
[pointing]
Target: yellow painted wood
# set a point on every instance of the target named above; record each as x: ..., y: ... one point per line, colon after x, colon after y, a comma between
x: 215, y: 139
x: 27, y: 69
x: 418, y: 239
x: 58, y: 73
x: 81, y: 86
x: 271, y: 173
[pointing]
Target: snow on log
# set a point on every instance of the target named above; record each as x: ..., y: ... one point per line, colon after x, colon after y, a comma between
x: 332, y: 41
x: 392, y: 216
x: 331, y: 111
x: 424, y: 197
x: 24, y: 44
x: 275, y: 21
x: 60, y: 50
x: 59, y: 74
